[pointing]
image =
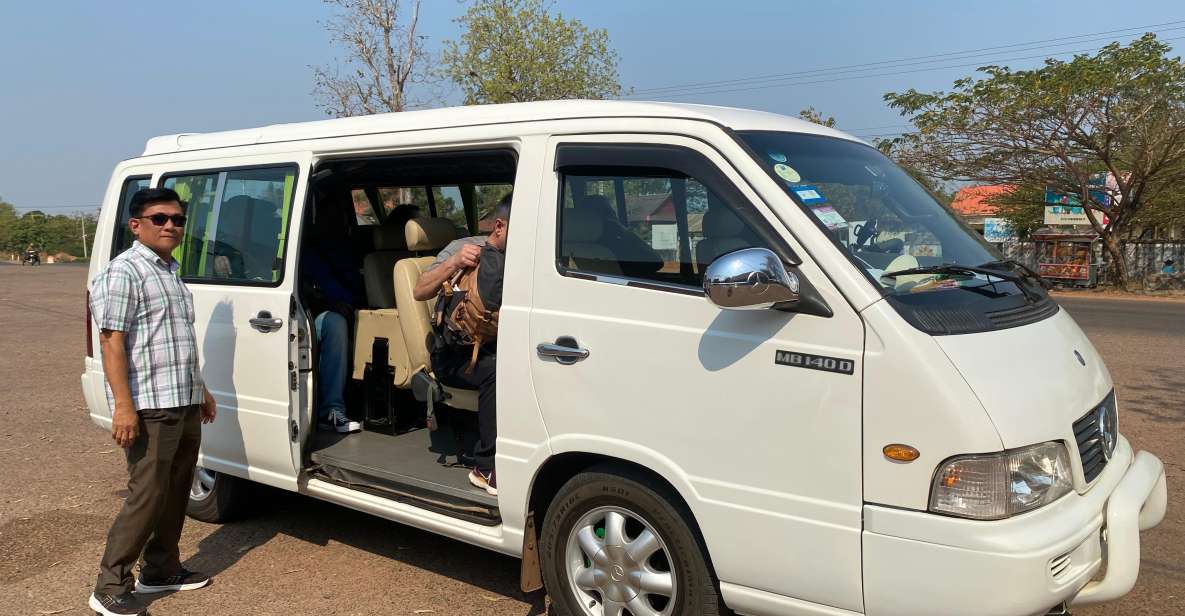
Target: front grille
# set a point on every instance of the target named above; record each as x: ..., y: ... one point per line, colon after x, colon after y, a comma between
x: 1095, y: 436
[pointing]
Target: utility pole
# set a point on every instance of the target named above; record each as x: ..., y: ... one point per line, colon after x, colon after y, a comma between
x: 82, y: 221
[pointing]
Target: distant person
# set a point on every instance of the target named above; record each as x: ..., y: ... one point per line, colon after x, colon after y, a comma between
x: 458, y: 364
x: 144, y: 313
x: 1169, y: 267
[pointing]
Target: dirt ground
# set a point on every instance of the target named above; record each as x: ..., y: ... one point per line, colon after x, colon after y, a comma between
x: 63, y: 480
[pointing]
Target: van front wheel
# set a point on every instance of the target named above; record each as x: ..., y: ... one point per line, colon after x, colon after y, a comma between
x: 613, y: 545
x: 215, y: 497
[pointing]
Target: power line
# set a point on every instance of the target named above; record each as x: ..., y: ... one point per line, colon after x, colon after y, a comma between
x: 872, y: 75
x: 932, y: 58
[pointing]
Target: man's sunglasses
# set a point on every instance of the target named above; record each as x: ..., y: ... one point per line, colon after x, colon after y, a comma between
x: 160, y: 219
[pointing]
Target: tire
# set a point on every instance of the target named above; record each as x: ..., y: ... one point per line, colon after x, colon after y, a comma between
x: 216, y: 497
x: 583, y: 585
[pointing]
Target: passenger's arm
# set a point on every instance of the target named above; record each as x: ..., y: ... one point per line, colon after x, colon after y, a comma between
x: 125, y: 424
x: 431, y: 280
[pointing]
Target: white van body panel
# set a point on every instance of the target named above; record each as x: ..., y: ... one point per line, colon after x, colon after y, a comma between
x: 913, y: 395
x: 671, y: 377
x: 1029, y: 378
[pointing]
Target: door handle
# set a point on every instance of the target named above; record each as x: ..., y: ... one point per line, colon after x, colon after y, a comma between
x: 265, y: 323
x: 564, y: 350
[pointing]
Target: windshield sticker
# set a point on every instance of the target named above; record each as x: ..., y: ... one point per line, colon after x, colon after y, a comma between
x: 777, y: 157
x: 828, y: 216
x: 786, y: 172
x: 808, y: 194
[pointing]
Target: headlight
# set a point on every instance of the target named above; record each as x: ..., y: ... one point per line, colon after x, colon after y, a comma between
x: 997, y: 486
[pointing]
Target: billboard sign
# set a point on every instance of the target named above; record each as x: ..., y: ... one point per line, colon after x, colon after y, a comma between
x: 998, y: 230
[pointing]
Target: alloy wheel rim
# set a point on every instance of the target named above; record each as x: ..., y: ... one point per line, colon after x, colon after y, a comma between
x: 617, y: 564
x: 203, y: 484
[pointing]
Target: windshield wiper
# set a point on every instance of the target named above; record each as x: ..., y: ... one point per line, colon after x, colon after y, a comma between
x: 1024, y: 269
x: 969, y: 270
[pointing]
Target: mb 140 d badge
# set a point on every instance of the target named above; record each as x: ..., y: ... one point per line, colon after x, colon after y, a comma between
x: 814, y: 362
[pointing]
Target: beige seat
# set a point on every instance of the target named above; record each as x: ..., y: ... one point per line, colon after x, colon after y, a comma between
x: 424, y: 235
x: 390, y: 245
x: 584, y: 247
x: 723, y: 233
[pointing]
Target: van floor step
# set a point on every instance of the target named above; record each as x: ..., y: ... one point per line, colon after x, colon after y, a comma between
x: 418, y: 465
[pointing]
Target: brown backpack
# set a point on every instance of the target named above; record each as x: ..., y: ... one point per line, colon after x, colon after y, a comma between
x: 460, y: 310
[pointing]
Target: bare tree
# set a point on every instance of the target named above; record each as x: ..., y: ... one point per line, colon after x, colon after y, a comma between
x: 384, y: 58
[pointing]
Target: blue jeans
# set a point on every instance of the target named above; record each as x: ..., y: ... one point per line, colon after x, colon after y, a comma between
x: 333, y: 342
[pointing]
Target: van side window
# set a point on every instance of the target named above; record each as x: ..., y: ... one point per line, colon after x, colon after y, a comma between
x: 123, y: 237
x: 237, y: 226
x: 654, y: 224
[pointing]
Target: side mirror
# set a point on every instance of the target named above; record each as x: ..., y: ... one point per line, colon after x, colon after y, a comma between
x: 750, y: 279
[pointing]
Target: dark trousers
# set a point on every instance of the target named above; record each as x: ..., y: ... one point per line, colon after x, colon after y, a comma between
x: 160, y: 471
x: 450, y: 364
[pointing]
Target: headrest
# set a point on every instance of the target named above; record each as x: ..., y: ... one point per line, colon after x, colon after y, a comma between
x: 598, y: 204
x: 429, y: 233
x: 720, y: 221
x: 388, y: 237
x: 583, y: 225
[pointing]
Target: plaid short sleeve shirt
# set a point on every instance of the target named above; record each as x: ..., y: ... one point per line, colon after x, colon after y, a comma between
x: 139, y: 294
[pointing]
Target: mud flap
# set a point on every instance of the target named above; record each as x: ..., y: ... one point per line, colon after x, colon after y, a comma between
x: 531, y: 574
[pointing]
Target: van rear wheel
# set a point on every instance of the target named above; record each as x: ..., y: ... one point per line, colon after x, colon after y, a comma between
x: 614, y: 545
x: 215, y: 497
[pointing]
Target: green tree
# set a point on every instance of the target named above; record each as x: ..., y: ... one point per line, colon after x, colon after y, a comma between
x: 1119, y: 111
x: 8, y: 222
x: 516, y: 51
x: 810, y: 114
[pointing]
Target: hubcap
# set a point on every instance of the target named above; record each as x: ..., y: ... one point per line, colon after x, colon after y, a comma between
x: 203, y: 484
x: 617, y: 564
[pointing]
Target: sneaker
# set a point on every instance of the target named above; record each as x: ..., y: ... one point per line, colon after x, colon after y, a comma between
x: 184, y: 580
x: 338, y: 422
x: 484, y: 480
x: 126, y: 604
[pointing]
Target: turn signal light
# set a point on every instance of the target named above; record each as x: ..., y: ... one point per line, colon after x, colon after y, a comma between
x: 901, y: 453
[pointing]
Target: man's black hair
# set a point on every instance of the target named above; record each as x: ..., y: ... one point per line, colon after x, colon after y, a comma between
x: 151, y: 196
x: 502, y: 210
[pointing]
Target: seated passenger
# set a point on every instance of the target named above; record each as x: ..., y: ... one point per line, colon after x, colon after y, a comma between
x: 333, y: 267
x: 453, y: 362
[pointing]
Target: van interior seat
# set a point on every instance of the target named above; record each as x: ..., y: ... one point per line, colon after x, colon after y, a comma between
x: 724, y: 232
x: 584, y: 245
x: 390, y: 245
x: 425, y: 236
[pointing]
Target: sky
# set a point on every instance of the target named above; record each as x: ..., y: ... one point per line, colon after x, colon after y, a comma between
x: 84, y: 84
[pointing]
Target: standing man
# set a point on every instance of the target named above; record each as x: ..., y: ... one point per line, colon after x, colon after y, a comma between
x: 144, y: 314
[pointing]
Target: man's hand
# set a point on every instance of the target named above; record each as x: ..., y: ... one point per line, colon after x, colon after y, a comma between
x: 125, y: 424
x: 467, y: 256
x: 208, y: 408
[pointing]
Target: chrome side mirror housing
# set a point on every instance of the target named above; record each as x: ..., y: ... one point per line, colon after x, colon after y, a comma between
x: 750, y: 279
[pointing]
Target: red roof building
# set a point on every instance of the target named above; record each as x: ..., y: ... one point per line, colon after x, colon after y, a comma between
x: 973, y: 203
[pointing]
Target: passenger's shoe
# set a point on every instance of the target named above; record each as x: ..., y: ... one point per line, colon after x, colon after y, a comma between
x: 184, y: 580
x: 126, y: 604
x: 484, y: 480
x: 338, y: 422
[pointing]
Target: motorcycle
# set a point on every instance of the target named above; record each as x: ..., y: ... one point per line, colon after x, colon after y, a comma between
x: 30, y: 258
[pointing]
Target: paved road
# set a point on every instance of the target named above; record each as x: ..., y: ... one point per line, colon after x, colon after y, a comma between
x: 62, y: 481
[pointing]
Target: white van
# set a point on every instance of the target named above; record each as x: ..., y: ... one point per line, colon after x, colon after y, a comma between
x: 744, y: 362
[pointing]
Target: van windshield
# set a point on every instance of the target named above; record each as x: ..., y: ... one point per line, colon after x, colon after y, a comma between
x: 911, y: 247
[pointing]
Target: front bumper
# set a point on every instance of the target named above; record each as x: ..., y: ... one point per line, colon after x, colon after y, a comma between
x: 917, y: 563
